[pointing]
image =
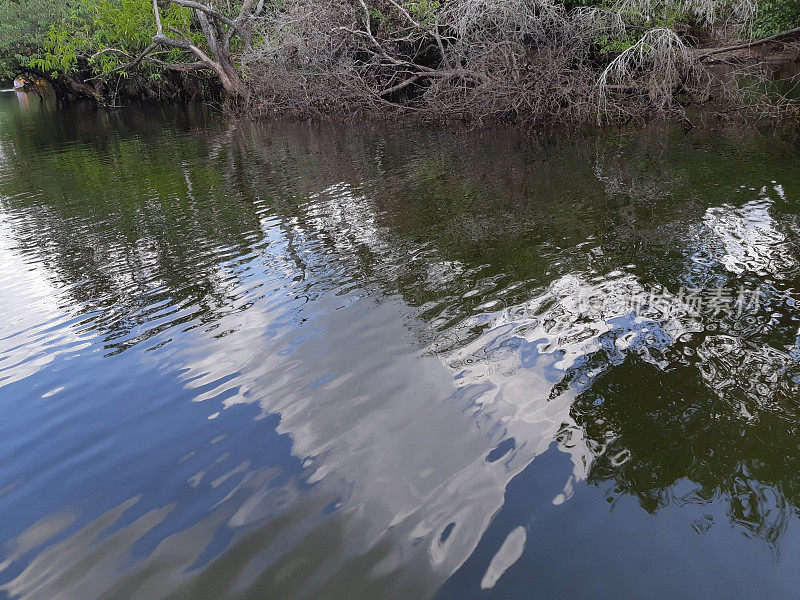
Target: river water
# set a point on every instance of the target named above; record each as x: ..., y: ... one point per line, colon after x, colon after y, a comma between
x: 305, y: 361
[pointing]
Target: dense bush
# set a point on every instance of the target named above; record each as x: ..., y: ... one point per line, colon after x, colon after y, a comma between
x: 775, y: 16
x: 24, y: 27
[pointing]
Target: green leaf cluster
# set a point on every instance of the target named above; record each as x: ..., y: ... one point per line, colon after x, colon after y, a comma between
x: 423, y: 11
x: 104, y: 36
x: 775, y: 16
x: 24, y: 26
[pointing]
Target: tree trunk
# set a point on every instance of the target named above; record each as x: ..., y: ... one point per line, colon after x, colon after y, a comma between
x: 232, y: 80
x: 67, y: 88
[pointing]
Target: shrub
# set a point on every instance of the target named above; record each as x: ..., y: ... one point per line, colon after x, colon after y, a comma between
x: 775, y: 16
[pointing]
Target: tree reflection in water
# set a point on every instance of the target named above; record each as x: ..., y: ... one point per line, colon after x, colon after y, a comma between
x: 230, y: 253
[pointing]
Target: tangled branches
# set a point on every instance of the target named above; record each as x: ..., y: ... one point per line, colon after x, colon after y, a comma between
x: 659, y: 64
x: 475, y: 59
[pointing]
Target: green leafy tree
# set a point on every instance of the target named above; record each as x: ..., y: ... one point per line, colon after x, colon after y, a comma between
x: 24, y: 27
x: 108, y: 38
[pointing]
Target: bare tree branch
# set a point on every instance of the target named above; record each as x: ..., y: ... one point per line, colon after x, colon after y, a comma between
x: 439, y: 42
x: 208, y: 31
x: 400, y: 86
x: 240, y: 25
x: 405, y: 13
x: 205, y: 9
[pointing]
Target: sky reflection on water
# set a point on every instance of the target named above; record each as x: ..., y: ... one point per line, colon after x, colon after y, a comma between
x: 295, y: 361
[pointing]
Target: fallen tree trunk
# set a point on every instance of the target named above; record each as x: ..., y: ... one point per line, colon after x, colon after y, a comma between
x: 68, y: 88
x: 778, y: 37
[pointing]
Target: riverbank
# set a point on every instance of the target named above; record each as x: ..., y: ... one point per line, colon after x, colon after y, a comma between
x: 530, y: 62
x: 748, y: 84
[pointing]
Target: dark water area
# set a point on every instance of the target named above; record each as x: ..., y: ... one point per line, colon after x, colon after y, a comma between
x: 303, y: 361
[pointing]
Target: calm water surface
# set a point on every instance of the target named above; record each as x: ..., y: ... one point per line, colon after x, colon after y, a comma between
x: 294, y: 361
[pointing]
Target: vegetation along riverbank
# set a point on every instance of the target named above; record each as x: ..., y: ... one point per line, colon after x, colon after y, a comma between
x: 534, y: 61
